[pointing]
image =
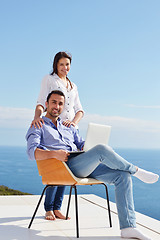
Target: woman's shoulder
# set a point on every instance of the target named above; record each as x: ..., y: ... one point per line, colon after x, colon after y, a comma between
x: 48, y: 77
x: 49, y: 80
x: 74, y: 86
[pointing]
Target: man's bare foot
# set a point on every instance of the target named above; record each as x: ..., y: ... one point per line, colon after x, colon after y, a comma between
x: 50, y: 216
x: 59, y: 215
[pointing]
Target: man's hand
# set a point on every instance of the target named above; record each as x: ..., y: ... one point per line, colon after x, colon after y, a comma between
x: 62, y: 155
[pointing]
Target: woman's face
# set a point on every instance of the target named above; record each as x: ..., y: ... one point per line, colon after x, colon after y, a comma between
x: 63, y: 67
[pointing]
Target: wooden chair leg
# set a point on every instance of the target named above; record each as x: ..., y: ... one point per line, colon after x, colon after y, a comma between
x: 109, y: 211
x: 69, y: 199
x: 76, y: 208
x: 38, y: 205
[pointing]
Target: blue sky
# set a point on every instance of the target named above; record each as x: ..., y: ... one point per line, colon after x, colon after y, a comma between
x: 116, y: 64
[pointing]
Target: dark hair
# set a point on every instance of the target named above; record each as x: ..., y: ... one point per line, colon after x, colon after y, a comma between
x: 57, y: 57
x: 55, y: 92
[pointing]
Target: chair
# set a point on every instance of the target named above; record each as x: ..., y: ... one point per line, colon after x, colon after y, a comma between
x: 57, y: 173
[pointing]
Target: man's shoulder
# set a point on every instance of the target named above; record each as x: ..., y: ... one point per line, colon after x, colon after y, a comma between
x: 33, y: 130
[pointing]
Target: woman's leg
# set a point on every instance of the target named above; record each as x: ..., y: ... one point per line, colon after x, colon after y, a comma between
x: 54, y: 197
x: 58, y: 202
x: 53, y: 202
x: 48, y: 203
x: 49, y: 198
x: 58, y: 198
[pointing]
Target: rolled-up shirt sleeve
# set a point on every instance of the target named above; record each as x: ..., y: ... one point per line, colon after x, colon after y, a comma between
x: 44, y: 91
x: 78, y: 140
x: 77, y: 103
x: 33, y: 138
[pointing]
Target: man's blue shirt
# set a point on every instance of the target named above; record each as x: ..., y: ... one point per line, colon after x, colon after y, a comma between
x: 50, y: 137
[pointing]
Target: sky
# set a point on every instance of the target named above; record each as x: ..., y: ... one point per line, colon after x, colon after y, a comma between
x: 116, y: 64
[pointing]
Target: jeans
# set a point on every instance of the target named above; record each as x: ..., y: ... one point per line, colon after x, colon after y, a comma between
x: 103, y: 164
x: 54, y: 198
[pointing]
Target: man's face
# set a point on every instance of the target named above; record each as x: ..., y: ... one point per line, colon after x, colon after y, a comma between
x: 55, y: 105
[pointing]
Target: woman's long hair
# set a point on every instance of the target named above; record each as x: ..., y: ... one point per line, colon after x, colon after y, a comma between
x: 57, y: 57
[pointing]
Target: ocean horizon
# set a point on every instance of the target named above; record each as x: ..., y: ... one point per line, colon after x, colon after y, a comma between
x: 19, y: 173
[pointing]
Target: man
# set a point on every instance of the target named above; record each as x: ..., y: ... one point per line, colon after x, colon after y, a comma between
x: 54, y: 140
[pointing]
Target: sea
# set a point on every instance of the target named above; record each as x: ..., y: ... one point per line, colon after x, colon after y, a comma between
x: 19, y: 173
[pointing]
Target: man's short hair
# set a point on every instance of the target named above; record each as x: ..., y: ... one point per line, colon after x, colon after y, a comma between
x: 55, y: 92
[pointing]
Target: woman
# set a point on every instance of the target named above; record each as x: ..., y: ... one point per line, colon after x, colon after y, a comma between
x: 71, y: 115
x: 58, y: 80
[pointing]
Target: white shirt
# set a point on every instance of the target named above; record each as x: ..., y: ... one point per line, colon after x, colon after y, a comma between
x: 72, y: 102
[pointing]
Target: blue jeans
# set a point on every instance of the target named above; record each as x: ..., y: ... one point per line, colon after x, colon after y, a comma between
x: 54, y: 198
x: 102, y: 163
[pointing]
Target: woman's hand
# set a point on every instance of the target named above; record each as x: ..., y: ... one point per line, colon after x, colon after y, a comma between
x: 68, y: 123
x: 38, y: 122
x: 62, y: 155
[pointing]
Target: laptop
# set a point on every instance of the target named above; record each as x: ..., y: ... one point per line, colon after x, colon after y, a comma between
x: 96, y: 134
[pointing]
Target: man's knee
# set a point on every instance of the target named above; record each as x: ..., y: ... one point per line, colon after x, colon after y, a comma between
x: 102, y: 147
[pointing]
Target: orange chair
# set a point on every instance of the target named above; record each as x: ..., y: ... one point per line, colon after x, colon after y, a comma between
x: 57, y: 173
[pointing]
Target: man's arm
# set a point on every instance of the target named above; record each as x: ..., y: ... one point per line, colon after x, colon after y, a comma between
x: 78, y: 140
x: 41, y: 154
x: 36, y: 151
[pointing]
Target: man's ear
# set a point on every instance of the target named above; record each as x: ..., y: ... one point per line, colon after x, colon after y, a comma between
x: 46, y: 103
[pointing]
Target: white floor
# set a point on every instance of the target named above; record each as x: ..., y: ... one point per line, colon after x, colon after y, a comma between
x: 16, y: 212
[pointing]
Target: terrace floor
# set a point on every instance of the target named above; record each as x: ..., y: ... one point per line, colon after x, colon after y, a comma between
x: 16, y: 212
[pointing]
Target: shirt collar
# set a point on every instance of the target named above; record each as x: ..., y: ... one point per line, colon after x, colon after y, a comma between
x: 60, y: 80
x: 49, y: 121
x: 56, y: 76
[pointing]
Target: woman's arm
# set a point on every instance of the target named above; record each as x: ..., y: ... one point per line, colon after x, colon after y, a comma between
x: 78, y: 117
x: 44, y: 91
x: 37, y: 122
x: 75, y: 120
x: 78, y: 111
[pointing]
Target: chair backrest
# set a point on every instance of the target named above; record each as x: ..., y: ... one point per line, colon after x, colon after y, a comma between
x: 54, y: 171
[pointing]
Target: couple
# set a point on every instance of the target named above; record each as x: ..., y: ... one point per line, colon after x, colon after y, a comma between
x: 71, y: 115
x: 55, y: 140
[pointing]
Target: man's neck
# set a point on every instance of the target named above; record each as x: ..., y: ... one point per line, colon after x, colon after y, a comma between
x: 53, y: 119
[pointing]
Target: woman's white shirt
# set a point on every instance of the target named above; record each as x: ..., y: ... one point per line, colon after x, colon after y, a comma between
x: 72, y: 101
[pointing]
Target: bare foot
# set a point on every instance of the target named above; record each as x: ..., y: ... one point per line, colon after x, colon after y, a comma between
x: 50, y: 216
x: 59, y: 215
